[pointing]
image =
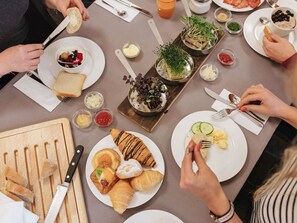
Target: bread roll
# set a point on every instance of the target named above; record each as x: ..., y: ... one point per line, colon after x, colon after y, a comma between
x: 106, y: 158
x: 129, y: 169
x: 14, y: 176
x: 48, y: 168
x: 147, y: 180
x: 104, y: 179
x: 120, y: 195
x: 75, y: 20
x: 20, y: 191
x: 132, y: 147
x: 69, y: 85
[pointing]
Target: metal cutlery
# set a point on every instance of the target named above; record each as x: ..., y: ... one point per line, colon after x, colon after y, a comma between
x: 119, y: 12
x: 57, y: 30
x: 223, y: 113
x: 141, y: 10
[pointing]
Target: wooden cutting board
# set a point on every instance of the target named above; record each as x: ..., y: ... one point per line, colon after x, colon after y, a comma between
x: 25, y: 149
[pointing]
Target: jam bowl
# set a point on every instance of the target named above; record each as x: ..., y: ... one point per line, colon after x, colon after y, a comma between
x: 103, y: 118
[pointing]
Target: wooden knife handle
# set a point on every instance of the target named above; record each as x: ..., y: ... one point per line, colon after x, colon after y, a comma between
x: 74, y: 163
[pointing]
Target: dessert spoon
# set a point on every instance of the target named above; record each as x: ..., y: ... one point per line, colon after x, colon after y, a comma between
x: 120, y: 12
x: 264, y: 20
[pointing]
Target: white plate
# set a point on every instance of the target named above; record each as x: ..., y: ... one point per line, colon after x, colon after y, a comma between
x: 224, y: 163
x: 253, y: 30
x: 139, y: 198
x: 153, y: 216
x: 231, y: 8
x: 48, y: 69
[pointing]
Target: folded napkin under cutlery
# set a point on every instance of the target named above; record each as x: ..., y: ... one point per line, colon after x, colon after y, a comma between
x: 37, y: 92
x: 237, y: 116
x: 14, y: 211
x: 130, y: 12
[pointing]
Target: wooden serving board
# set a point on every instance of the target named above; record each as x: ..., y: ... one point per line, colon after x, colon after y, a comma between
x: 149, y: 122
x: 25, y: 149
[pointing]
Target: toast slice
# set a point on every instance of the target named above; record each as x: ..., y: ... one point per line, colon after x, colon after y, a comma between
x: 14, y: 176
x: 75, y: 20
x: 69, y: 85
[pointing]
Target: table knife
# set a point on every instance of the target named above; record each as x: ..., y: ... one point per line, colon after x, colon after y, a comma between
x: 141, y: 10
x: 57, y: 30
x: 221, y: 99
x: 62, y: 189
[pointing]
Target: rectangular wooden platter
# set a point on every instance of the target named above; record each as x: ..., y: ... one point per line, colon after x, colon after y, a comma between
x: 24, y: 149
x: 150, y: 122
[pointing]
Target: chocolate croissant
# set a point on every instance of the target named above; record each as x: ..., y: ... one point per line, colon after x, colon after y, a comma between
x: 132, y: 147
x: 147, y: 180
x: 120, y: 195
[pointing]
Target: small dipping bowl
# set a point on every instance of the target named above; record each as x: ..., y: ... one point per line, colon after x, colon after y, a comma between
x: 131, y: 50
x: 103, y: 118
x: 222, y: 15
x: 226, y: 57
x: 82, y: 119
x: 209, y: 72
x: 233, y: 26
x: 94, y: 100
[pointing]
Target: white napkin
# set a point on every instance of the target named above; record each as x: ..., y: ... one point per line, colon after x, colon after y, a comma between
x: 14, y: 211
x: 38, y: 92
x: 130, y: 15
x: 237, y: 116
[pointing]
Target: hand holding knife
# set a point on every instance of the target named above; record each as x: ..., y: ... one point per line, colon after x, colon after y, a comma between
x: 62, y: 189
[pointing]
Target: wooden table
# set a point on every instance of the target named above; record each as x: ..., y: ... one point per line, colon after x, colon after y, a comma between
x: 111, y: 33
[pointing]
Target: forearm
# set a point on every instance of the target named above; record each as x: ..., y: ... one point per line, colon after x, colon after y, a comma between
x: 289, y: 115
x: 50, y: 3
x: 4, y: 67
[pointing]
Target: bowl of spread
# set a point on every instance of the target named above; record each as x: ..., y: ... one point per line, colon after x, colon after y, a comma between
x: 131, y: 50
x: 82, y: 119
x: 103, y: 118
x: 94, y: 100
x: 209, y: 72
x: 226, y: 57
x: 233, y: 26
x: 222, y: 15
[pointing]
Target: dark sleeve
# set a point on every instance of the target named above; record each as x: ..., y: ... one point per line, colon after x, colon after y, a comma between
x: 290, y: 61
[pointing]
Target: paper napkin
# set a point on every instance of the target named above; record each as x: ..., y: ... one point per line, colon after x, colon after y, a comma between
x: 237, y: 116
x: 14, y: 211
x: 130, y: 15
x: 37, y: 92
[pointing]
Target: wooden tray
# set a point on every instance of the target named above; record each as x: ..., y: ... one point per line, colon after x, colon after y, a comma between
x: 25, y: 149
x: 148, y: 123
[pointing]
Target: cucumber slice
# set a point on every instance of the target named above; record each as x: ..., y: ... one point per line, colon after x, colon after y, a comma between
x: 206, y: 128
x: 196, y: 127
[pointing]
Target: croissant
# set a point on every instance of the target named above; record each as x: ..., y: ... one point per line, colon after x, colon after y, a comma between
x: 147, y: 180
x: 120, y: 195
x: 132, y: 147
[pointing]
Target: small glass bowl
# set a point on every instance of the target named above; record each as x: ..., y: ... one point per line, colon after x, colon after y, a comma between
x: 131, y: 50
x: 234, y: 21
x: 82, y: 119
x: 94, y: 100
x: 209, y: 72
x: 103, y: 118
x: 222, y: 15
x: 223, y: 57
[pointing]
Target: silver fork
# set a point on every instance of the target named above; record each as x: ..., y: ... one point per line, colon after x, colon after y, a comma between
x: 205, y: 144
x: 223, y: 113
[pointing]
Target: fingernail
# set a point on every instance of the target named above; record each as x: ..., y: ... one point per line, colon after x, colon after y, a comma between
x: 243, y: 109
x: 198, y: 147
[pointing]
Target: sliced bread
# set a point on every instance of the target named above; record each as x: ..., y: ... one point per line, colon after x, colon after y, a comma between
x: 20, y: 191
x: 75, y: 20
x: 69, y: 85
x: 48, y: 168
x: 14, y: 176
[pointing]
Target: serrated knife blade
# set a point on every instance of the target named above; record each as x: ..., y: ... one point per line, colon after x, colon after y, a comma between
x: 57, y: 30
x: 61, y: 189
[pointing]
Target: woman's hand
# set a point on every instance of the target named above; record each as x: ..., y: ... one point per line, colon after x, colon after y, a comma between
x: 279, y: 50
x: 20, y: 58
x: 204, y: 183
x: 270, y: 104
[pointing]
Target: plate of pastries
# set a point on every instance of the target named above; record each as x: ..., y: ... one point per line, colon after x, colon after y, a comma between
x: 125, y: 169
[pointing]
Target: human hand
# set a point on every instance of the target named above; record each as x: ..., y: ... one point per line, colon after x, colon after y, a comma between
x: 204, y: 183
x: 62, y: 6
x: 279, y: 50
x: 270, y: 104
x: 21, y: 58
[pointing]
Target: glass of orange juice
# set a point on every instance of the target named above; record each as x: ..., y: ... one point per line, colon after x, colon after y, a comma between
x: 166, y: 8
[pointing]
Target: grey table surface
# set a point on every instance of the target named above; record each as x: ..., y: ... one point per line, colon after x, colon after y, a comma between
x: 110, y: 33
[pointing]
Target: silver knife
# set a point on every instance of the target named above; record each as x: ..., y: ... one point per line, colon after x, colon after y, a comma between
x: 62, y: 189
x: 141, y: 10
x: 57, y: 30
x: 221, y: 99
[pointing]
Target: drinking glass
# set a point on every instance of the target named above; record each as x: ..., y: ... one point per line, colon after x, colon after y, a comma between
x: 166, y: 8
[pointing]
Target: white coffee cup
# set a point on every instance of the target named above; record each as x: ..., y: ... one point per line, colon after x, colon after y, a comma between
x: 282, y: 31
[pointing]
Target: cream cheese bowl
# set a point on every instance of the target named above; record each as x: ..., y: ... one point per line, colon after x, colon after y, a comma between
x: 283, y: 27
x: 94, y: 100
x: 131, y: 50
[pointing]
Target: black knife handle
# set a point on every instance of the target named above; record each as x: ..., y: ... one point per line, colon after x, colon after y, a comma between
x: 74, y: 163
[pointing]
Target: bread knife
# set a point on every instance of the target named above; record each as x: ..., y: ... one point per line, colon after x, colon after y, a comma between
x: 221, y: 99
x: 57, y: 30
x: 141, y: 10
x: 61, y: 189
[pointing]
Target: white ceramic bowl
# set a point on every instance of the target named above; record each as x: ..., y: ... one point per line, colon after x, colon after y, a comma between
x: 281, y: 31
x: 78, y: 68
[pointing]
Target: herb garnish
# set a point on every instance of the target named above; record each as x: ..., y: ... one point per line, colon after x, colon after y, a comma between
x: 149, y: 90
x: 175, y: 58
